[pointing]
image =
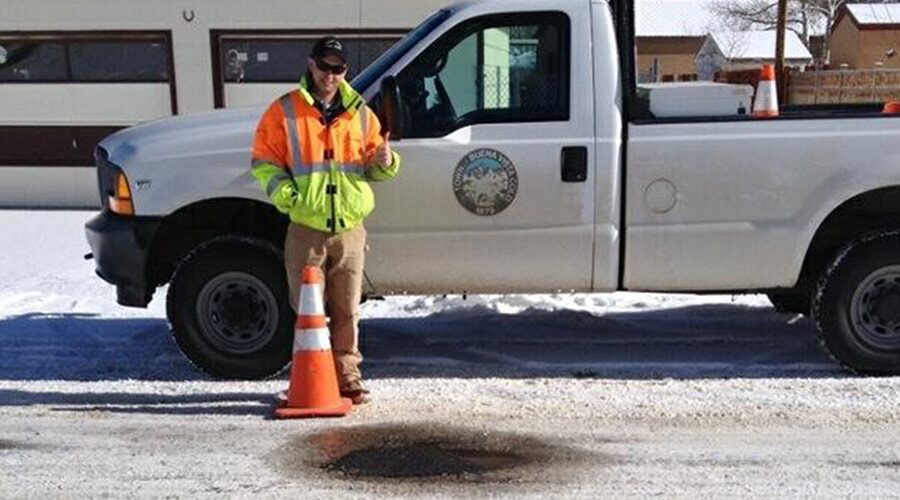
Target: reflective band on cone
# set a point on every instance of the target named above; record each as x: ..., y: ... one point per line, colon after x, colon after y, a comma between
x: 311, y: 302
x: 312, y: 339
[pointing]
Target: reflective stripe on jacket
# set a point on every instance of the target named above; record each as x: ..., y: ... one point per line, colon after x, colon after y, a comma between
x: 318, y: 173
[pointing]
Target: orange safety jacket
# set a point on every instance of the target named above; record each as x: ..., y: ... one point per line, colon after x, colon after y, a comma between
x: 318, y: 172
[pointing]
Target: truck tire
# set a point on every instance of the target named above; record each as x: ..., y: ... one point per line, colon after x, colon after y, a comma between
x: 857, y: 305
x: 794, y: 303
x: 228, y: 308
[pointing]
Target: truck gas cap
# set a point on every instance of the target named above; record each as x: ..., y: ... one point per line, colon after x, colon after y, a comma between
x: 660, y: 196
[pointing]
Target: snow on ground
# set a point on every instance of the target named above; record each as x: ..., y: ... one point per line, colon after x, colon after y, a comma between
x: 667, y: 395
x: 60, y: 321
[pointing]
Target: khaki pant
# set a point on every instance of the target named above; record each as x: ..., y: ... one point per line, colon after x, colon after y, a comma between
x: 341, y: 256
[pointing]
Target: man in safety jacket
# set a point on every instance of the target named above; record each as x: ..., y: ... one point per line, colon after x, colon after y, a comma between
x: 316, y: 149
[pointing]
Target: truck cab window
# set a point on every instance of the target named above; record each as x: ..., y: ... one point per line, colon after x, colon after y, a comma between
x: 497, y: 69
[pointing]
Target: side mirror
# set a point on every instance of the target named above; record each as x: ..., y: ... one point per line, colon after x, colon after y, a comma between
x: 391, y: 113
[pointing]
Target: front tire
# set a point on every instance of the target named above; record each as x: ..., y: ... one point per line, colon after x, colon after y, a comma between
x: 228, y: 309
x: 857, y: 305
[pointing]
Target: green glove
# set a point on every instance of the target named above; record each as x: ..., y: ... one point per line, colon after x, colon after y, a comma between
x: 285, y: 197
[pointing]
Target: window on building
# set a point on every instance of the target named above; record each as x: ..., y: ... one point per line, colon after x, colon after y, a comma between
x: 119, y: 61
x: 78, y: 58
x: 271, y: 59
x: 36, y: 62
x: 494, y: 69
x: 264, y: 60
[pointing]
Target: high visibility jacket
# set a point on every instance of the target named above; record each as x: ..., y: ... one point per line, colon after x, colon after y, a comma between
x: 318, y: 172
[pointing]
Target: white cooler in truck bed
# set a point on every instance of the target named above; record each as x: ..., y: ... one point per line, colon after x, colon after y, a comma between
x: 697, y: 99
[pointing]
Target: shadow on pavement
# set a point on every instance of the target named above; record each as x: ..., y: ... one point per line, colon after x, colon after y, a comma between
x: 212, y: 403
x: 709, y: 341
x: 89, y: 348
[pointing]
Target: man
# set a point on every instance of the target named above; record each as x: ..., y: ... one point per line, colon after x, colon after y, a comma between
x: 314, y: 152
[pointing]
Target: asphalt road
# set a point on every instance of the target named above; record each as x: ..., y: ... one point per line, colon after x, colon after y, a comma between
x: 748, y: 408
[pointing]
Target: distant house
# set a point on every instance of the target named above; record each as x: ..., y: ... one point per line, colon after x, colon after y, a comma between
x: 739, y: 50
x: 668, y: 35
x: 865, y: 36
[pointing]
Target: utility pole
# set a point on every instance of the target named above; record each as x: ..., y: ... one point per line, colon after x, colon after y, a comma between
x: 780, y: 29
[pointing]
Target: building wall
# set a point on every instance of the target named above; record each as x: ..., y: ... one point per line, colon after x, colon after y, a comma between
x: 56, y: 187
x: 844, y: 43
x: 674, y: 56
x: 872, y: 47
x: 190, y: 23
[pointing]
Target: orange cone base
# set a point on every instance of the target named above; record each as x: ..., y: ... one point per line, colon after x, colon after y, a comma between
x: 285, y: 411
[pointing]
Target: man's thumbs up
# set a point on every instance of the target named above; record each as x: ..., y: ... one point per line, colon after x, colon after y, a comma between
x: 383, y: 155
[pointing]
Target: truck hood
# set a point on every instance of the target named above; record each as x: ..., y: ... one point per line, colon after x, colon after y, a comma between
x: 174, y: 162
x: 184, y: 137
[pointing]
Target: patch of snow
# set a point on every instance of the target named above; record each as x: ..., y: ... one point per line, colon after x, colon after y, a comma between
x: 875, y: 13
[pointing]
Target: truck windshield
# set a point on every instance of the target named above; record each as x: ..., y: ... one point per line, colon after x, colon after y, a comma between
x: 380, y: 65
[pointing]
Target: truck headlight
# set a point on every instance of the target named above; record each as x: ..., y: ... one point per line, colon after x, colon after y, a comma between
x: 120, y: 199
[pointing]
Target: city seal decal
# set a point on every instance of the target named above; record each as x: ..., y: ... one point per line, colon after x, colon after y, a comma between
x: 485, y: 182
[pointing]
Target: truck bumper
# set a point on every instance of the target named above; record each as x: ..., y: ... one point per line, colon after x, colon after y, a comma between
x: 120, y: 246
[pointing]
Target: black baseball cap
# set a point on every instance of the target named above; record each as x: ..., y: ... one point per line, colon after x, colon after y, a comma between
x: 328, y: 45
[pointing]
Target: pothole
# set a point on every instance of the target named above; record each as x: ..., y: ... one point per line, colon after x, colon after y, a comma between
x: 426, y: 453
x: 424, y: 458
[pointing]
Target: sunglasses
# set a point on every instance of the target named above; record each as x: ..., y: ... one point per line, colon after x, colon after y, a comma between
x: 334, y: 69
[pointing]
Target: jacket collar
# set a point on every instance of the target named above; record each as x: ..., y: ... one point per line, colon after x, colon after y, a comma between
x: 350, y: 99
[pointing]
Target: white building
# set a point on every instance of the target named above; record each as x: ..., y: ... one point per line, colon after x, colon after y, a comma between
x: 72, y: 72
x: 736, y: 50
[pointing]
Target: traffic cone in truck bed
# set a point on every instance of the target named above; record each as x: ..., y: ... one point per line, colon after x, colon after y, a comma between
x: 766, y: 103
x: 313, y: 390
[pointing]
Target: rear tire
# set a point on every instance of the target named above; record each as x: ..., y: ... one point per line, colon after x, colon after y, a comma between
x: 794, y: 303
x: 228, y: 309
x: 857, y: 305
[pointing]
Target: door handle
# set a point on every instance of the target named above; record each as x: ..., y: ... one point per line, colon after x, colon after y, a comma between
x: 574, y: 164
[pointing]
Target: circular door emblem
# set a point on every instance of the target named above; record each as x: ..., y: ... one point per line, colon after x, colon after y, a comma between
x: 485, y: 182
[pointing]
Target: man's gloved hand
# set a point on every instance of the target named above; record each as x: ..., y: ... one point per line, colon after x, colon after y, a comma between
x: 284, y: 197
x: 383, y: 155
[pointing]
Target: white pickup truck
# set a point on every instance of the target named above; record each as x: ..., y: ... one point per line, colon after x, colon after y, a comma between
x: 531, y: 165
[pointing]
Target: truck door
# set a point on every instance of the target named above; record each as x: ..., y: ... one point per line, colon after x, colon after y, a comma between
x: 496, y: 189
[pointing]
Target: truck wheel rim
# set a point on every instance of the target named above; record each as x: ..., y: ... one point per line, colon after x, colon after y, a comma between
x: 237, y: 312
x: 875, y: 309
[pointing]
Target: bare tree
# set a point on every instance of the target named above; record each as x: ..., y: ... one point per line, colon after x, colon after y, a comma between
x: 803, y: 18
x: 745, y: 15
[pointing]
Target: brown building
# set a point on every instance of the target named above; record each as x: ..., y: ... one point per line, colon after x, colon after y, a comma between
x: 667, y: 58
x: 865, y: 35
x: 668, y: 35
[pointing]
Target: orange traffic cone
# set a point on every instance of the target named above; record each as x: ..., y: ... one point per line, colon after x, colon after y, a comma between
x: 766, y: 103
x: 313, y: 390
